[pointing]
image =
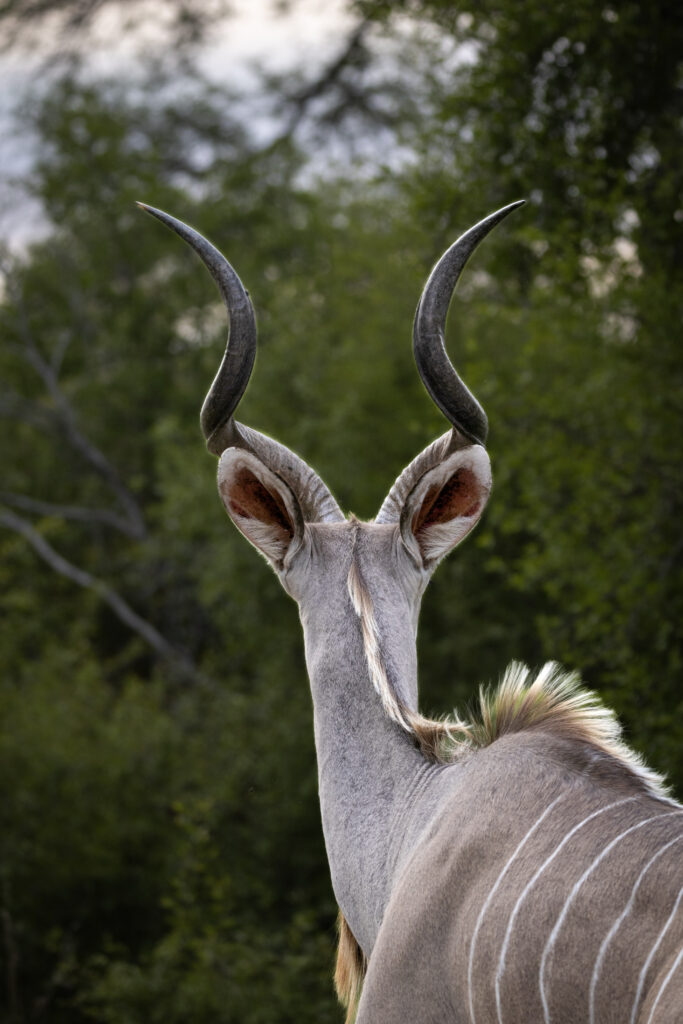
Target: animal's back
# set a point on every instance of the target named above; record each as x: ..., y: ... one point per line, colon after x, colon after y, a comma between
x: 546, y: 889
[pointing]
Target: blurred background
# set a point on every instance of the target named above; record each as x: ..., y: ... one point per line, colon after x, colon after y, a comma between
x: 161, y: 857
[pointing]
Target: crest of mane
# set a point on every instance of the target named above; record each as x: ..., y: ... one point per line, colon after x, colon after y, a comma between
x: 553, y: 701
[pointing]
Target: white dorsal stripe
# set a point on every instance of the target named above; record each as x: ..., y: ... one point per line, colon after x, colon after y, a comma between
x: 572, y: 895
x: 665, y: 982
x: 617, y: 925
x: 363, y: 607
x: 650, y: 958
x: 529, y: 886
x: 490, y: 896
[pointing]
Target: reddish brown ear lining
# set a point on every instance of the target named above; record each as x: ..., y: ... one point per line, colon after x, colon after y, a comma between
x: 459, y: 497
x: 250, y: 499
x: 425, y: 508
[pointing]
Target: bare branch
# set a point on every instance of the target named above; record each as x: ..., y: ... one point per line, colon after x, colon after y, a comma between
x: 118, y: 605
x: 77, y: 513
x: 57, y: 357
x: 331, y: 76
x: 15, y: 406
x: 73, y: 21
x: 65, y: 416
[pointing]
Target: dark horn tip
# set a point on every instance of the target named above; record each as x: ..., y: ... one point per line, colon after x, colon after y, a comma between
x: 184, y: 230
x: 148, y: 209
x: 438, y: 375
x: 512, y: 206
x: 501, y: 214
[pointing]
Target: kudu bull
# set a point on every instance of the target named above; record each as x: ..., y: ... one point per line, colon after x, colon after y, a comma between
x: 524, y: 867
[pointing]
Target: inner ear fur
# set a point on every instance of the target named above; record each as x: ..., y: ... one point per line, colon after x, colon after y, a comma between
x: 446, y: 503
x: 261, y: 505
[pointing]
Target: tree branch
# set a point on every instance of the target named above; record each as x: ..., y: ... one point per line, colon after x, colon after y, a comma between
x: 75, y: 20
x: 331, y: 74
x: 64, y: 415
x: 118, y: 605
x: 15, y: 406
x: 77, y: 513
x: 353, y: 54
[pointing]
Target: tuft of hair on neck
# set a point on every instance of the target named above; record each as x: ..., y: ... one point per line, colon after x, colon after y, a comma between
x: 350, y: 969
x: 441, y: 740
x: 553, y: 700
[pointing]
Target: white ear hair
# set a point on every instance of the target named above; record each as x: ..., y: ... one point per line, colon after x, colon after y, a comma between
x: 261, y: 505
x: 446, y: 503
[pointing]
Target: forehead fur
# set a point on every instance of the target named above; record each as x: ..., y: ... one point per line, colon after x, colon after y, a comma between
x: 365, y: 541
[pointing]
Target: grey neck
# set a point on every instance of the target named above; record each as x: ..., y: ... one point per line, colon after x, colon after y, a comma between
x: 367, y: 765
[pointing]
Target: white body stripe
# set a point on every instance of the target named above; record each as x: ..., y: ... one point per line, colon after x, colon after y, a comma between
x: 651, y: 954
x: 570, y: 899
x: 665, y: 982
x: 528, y: 887
x: 490, y: 896
x: 617, y: 925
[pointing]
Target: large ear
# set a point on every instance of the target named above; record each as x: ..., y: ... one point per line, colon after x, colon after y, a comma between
x: 261, y: 505
x: 445, y: 504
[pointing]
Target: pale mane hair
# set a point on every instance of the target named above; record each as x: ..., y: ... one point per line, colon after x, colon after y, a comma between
x: 552, y: 701
x: 349, y: 973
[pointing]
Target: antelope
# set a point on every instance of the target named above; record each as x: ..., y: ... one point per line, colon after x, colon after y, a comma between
x: 521, y: 867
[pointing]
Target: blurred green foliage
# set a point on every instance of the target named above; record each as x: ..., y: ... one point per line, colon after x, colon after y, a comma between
x: 161, y: 857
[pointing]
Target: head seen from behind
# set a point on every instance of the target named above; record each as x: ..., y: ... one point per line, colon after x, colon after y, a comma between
x: 326, y: 562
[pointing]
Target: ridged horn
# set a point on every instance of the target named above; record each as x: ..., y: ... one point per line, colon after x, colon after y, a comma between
x: 233, y: 375
x: 217, y: 416
x: 438, y: 375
